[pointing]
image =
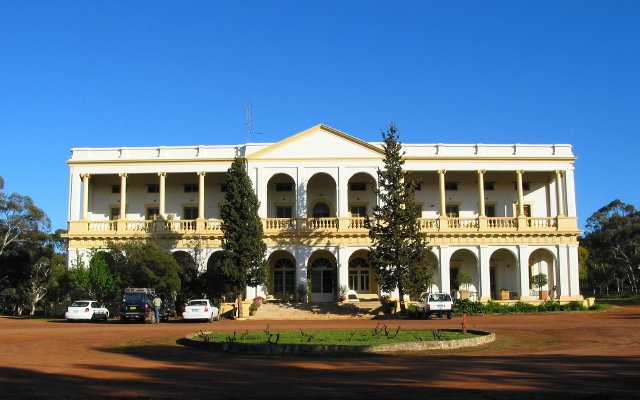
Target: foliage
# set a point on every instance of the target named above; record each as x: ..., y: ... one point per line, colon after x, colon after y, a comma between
x: 463, y: 280
x: 539, y: 280
x: 399, y: 253
x: 492, y: 307
x: 142, y: 263
x: 612, y: 240
x: 21, y: 222
x: 97, y: 280
x: 27, y: 253
x: 243, y: 249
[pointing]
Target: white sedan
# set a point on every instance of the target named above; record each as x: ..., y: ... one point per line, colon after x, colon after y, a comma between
x: 201, y: 309
x: 86, y: 310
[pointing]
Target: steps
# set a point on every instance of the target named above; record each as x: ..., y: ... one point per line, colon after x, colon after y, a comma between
x: 301, y: 311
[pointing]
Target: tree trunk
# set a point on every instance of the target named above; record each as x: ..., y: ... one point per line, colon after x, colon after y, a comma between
x: 240, y: 312
x: 403, y: 309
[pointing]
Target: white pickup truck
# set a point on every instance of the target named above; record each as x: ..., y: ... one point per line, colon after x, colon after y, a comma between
x: 436, y: 303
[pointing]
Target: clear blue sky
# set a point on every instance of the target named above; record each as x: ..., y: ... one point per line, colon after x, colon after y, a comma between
x: 138, y: 73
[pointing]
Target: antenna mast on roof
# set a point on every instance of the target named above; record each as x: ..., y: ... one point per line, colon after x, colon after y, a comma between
x: 247, y: 110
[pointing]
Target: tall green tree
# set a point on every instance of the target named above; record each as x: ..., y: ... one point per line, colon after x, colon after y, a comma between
x: 143, y: 263
x: 96, y: 280
x: 612, y: 238
x: 399, y: 253
x: 244, y: 252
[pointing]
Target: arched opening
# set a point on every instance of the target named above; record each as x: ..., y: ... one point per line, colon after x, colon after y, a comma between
x: 543, y: 261
x: 464, y: 274
x: 281, y: 197
x: 361, y: 196
x: 321, y: 196
x: 503, y: 275
x: 282, y: 275
x: 323, y: 276
x: 321, y: 210
x: 435, y: 283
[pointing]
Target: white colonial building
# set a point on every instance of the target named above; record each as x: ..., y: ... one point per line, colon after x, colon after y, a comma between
x: 501, y: 213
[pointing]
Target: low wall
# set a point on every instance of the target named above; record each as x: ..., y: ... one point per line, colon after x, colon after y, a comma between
x: 272, y: 348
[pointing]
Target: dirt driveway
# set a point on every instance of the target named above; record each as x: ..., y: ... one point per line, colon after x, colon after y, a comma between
x: 552, y: 356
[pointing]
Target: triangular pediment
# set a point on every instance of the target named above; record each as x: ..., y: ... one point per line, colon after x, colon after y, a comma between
x: 318, y: 142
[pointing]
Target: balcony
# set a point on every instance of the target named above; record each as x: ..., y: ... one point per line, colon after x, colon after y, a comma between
x: 327, y: 226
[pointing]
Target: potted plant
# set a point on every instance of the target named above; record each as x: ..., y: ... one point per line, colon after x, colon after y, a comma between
x: 343, y: 293
x: 463, y: 280
x: 253, y: 309
x: 302, y: 292
x: 538, y: 281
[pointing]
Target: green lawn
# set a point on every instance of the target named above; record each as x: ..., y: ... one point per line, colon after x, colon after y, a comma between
x: 360, y: 337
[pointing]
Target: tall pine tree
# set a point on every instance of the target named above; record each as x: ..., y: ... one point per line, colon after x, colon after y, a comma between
x: 244, y: 252
x: 399, y: 250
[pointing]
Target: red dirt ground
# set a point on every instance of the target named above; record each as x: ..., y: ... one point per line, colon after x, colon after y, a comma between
x: 581, y: 355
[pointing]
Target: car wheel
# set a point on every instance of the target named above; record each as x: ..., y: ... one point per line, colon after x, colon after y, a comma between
x: 450, y: 315
x: 211, y: 318
x: 125, y: 320
x: 93, y: 317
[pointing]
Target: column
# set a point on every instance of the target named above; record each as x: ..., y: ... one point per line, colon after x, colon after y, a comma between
x: 481, y: 207
x: 162, y: 194
x: 343, y: 267
x: 123, y: 196
x: 343, y: 199
x: 570, y: 191
x: 301, y: 268
x: 261, y: 190
x: 485, y: 274
x: 563, y: 272
x: 85, y: 196
x: 559, y: 194
x: 445, y: 275
x: 523, y: 270
x: 443, y: 208
x: 574, y: 270
x: 520, y: 193
x: 74, y: 197
x: 201, y: 175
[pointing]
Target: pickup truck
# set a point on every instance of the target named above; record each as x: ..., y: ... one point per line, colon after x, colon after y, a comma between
x: 436, y: 303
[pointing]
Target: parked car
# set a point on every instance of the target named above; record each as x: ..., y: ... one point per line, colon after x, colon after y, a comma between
x: 137, y: 304
x: 168, y: 307
x: 436, y: 303
x: 86, y: 310
x: 200, y: 309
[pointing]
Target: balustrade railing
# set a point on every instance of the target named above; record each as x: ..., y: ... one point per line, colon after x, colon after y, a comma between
x: 102, y: 226
x: 542, y: 222
x: 462, y: 223
x: 502, y: 223
x: 306, y: 224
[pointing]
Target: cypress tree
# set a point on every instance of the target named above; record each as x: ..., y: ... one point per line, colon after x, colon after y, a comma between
x: 399, y: 251
x: 244, y: 252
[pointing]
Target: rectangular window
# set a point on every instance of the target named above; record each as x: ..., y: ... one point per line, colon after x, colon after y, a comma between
x: 358, y: 211
x: 453, y: 211
x: 526, y: 186
x: 153, y: 188
x: 489, y: 186
x: 527, y: 210
x: 114, y: 213
x: 152, y: 213
x: 115, y: 188
x: 190, y: 213
x: 284, y: 212
x: 452, y: 186
x: 490, y: 210
x: 284, y: 187
x: 191, y: 188
x: 358, y: 186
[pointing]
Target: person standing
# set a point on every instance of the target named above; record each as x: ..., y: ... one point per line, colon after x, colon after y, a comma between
x: 157, y: 302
